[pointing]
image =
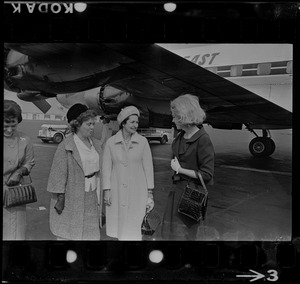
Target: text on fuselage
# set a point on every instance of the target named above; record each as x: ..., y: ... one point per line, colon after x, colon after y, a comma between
x: 207, y: 58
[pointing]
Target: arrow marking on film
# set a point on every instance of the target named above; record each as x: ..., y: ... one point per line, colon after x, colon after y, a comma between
x: 256, y: 275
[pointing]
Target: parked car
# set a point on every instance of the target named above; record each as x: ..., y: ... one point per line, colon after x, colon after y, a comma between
x: 155, y: 134
x: 54, y: 133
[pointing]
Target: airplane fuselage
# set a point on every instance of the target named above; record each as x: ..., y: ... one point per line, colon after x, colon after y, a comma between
x: 264, y: 69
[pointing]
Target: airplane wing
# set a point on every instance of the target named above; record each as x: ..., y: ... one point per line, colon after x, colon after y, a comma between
x: 163, y: 76
x: 148, y: 71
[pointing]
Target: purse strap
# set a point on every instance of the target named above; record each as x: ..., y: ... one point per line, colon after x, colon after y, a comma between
x: 23, y: 176
x: 202, y: 181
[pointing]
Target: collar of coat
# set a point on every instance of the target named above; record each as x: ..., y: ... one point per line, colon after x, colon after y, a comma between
x: 119, y: 137
x: 195, y: 137
x: 71, y: 146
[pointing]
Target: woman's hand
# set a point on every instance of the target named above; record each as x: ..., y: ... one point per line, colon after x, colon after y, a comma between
x: 150, y: 204
x: 150, y: 201
x: 16, y: 177
x: 60, y: 203
x: 175, y: 165
x: 107, y: 197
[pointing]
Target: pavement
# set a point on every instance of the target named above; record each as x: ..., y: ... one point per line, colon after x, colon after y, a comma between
x: 251, y: 199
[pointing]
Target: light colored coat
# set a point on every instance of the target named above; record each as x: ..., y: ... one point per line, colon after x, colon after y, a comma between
x: 67, y: 176
x: 17, y: 152
x: 129, y: 174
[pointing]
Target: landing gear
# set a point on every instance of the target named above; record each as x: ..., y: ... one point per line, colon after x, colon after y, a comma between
x: 262, y: 146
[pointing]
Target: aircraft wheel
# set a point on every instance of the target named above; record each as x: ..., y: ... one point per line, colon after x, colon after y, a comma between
x: 262, y: 146
x: 273, y: 147
x: 58, y: 138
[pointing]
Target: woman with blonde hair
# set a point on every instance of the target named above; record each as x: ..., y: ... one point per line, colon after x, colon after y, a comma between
x: 193, y: 152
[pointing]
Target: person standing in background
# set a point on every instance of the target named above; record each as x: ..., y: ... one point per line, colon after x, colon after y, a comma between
x: 128, y: 178
x: 18, y: 160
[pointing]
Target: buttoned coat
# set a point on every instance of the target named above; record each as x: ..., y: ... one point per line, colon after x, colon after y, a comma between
x: 67, y: 176
x: 17, y: 152
x: 198, y: 154
x: 128, y: 172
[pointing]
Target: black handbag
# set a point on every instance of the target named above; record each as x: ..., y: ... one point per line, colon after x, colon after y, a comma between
x: 150, y: 222
x: 19, y: 195
x: 193, y: 202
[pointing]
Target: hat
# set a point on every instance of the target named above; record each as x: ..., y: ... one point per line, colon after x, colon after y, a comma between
x: 127, y: 111
x: 75, y: 110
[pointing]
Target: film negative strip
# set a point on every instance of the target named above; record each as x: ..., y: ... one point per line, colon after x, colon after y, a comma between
x: 251, y: 229
x: 151, y: 261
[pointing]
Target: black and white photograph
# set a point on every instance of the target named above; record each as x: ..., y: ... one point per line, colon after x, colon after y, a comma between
x: 148, y: 141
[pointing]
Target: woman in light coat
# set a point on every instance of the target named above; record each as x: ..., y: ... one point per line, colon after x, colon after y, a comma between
x: 18, y: 160
x: 74, y: 180
x: 128, y: 179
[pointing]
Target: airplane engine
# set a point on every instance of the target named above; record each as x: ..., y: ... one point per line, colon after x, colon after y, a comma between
x: 104, y: 100
x: 112, y: 100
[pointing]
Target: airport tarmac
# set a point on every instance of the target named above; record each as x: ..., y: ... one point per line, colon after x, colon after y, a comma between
x: 251, y: 199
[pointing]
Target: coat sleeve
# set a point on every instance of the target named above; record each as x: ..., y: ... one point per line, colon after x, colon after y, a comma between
x: 106, y: 166
x: 59, y: 171
x: 205, y: 158
x: 29, y: 156
x: 148, y: 165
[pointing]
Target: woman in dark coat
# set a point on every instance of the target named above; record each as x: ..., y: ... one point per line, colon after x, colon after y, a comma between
x: 192, y: 152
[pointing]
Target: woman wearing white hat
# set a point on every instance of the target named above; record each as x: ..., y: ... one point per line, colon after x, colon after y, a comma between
x: 128, y: 179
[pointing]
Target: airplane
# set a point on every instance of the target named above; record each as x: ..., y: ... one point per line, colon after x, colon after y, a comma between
x: 107, y: 77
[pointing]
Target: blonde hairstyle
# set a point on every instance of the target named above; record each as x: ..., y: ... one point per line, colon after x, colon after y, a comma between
x: 187, y: 110
x: 76, y: 123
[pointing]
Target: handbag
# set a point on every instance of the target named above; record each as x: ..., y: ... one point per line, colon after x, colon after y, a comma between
x: 193, y: 202
x: 19, y: 195
x: 150, y: 222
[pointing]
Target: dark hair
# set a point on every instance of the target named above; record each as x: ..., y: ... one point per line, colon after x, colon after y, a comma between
x: 125, y: 121
x: 76, y: 123
x: 11, y: 110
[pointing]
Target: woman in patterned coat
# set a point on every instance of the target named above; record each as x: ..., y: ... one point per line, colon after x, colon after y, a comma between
x: 128, y: 178
x: 74, y: 180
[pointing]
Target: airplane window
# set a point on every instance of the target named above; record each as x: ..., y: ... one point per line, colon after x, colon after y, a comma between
x: 264, y: 69
x: 236, y: 70
x: 289, y: 67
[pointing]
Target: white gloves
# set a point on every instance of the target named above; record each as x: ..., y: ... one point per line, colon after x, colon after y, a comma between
x: 175, y: 165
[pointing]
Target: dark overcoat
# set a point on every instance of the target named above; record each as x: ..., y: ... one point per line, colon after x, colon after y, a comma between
x: 198, y: 155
